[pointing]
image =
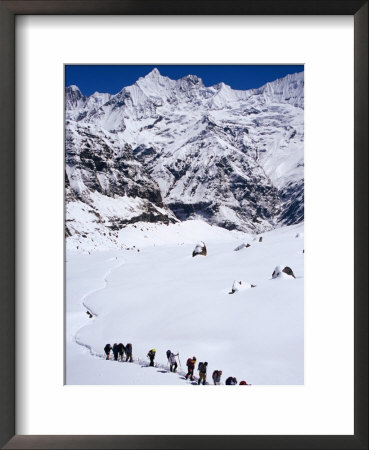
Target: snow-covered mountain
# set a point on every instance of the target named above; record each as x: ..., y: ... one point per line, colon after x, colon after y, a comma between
x: 78, y: 106
x: 165, y: 150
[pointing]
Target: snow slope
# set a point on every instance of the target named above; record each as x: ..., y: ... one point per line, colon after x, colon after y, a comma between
x: 155, y: 294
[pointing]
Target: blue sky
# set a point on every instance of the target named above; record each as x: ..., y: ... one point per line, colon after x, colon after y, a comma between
x: 112, y: 78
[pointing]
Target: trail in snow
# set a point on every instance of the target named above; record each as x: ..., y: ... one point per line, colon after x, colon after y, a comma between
x: 143, y: 364
x: 83, y: 301
x: 105, y: 278
x: 101, y: 355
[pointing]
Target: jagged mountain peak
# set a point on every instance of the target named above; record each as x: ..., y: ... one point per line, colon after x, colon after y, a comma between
x: 73, y: 91
x: 289, y: 89
x: 73, y: 87
x: 99, y: 94
x: 192, y: 79
x: 153, y: 77
x: 289, y: 82
x: 155, y: 73
x: 190, y: 84
x: 74, y: 99
x: 221, y: 85
x: 154, y: 85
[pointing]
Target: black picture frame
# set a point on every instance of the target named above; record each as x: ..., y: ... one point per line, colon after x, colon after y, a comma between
x: 8, y: 11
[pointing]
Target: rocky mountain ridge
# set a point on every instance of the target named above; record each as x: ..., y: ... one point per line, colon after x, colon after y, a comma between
x: 177, y: 150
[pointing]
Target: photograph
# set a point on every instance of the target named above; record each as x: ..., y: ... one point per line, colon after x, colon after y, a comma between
x: 184, y: 224
x: 159, y: 162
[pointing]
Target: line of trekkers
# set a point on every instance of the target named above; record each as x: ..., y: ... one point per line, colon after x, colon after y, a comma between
x: 120, y: 349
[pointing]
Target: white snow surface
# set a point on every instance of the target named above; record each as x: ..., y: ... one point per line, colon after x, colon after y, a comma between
x: 156, y: 295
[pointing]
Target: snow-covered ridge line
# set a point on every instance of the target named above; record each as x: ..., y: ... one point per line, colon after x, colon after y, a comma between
x: 148, y: 86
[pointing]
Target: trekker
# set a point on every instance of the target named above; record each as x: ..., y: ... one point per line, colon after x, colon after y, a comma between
x: 107, y: 349
x: 128, y: 351
x: 217, y: 374
x: 151, y: 355
x: 191, y: 367
x: 121, y: 350
x: 202, y: 372
x: 115, y: 352
x: 172, y: 362
x: 169, y: 352
x: 231, y: 381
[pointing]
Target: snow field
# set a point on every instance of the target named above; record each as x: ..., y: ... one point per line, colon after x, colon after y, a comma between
x: 163, y: 298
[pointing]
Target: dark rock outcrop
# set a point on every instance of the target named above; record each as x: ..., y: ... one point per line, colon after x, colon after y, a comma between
x: 277, y: 273
x: 95, y: 163
x: 200, y: 249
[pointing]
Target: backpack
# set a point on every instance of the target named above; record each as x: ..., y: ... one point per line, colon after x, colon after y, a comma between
x: 201, y: 367
x: 128, y: 348
x: 168, y: 353
x: 189, y: 362
x: 215, y: 374
x: 107, y: 348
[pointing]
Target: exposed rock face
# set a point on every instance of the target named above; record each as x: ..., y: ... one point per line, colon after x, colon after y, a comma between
x: 105, y: 176
x: 97, y: 163
x: 283, y: 272
x: 233, y: 158
x: 79, y: 106
x: 74, y: 100
x: 292, y: 197
x: 200, y: 249
x: 288, y: 271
